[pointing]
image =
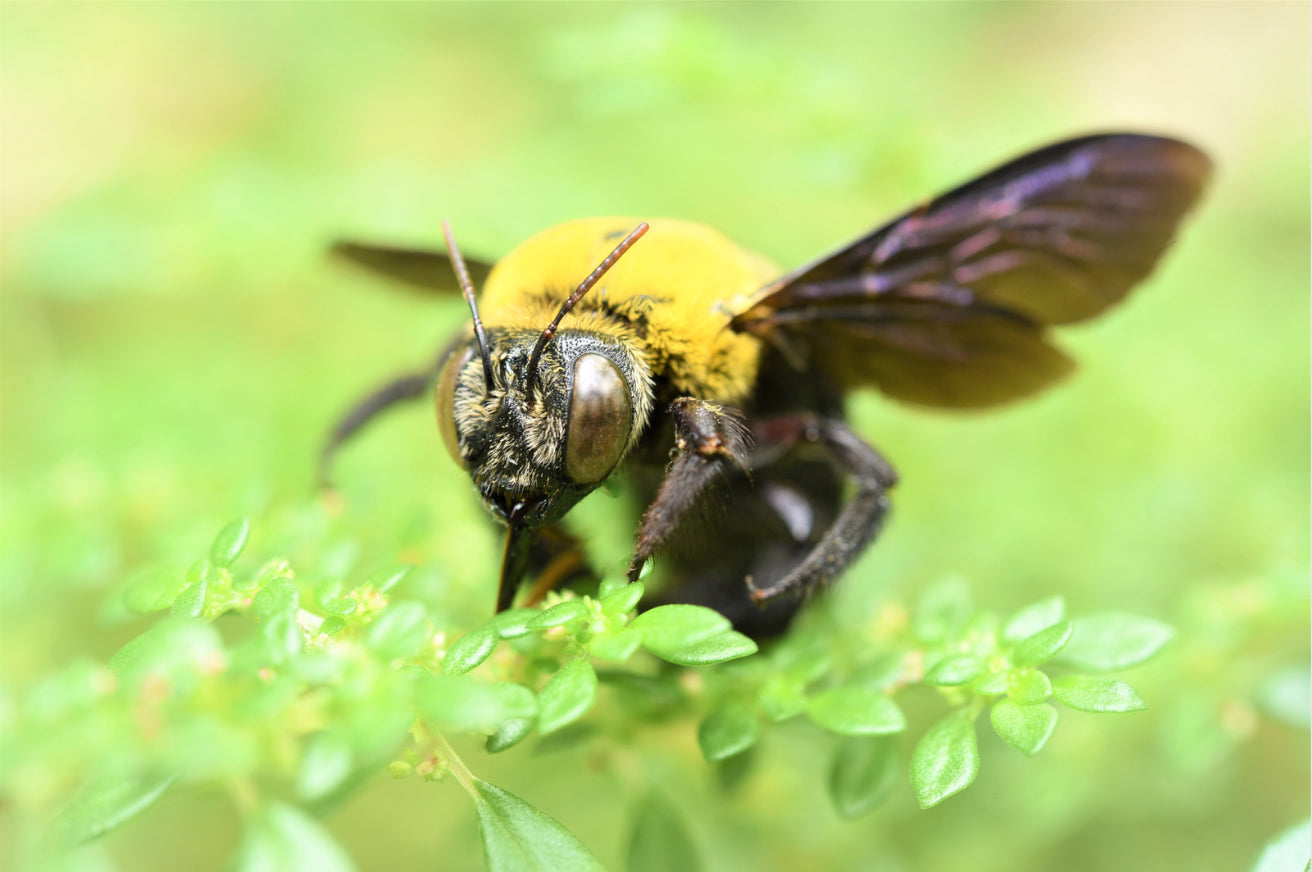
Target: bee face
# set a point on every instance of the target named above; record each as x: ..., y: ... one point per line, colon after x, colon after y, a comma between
x: 535, y: 443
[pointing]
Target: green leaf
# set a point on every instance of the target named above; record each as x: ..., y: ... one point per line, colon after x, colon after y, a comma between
x: 1043, y: 645
x: 567, y: 695
x: 324, y: 765
x: 512, y: 623
x: 1113, y: 641
x: 615, y: 647
x: 610, y: 584
x: 729, y: 645
x: 1286, y: 852
x: 622, y: 601
x: 1087, y: 694
x: 946, y: 760
x: 955, y: 671
x: 863, y: 774
x: 389, y: 577
x: 459, y: 702
x: 726, y: 731
x: 941, y: 610
x: 229, y: 543
x: 105, y: 804
x: 677, y: 627
x: 281, y: 837
x: 1033, y: 618
x: 856, y: 711
x: 284, y: 637
x: 154, y: 590
x: 519, y: 838
x: 470, y: 650
x: 332, y: 625
x: 509, y: 734
x: 191, y: 602
x: 994, y: 682
x: 660, y: 841
x: 400, y: 631
x: 279, y: 596
x: 559, y: 615
x: 1029, y: 686
x: 1024, y: 727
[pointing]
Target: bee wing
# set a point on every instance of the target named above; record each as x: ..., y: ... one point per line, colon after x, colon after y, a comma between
x: 420, y: 269
x: 947, y: 304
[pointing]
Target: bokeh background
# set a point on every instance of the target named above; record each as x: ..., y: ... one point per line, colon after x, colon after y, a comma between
x: 174, y: 344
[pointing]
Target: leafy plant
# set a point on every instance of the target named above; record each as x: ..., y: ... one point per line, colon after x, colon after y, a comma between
x: 293, y: 692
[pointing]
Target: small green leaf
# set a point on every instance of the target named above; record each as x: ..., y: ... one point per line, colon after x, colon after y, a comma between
x: 728, y: 645
x: 103, y: 805
x: 519, y: 838
x: 400, y: 631
x: 1024, y: 727
x: 726, y: 731
x: 623, y: 600
x: 946, y: 760
x: 941, y: 610
x: 863, y: 774
x: 229, y: 543
x: 660, y: 841
x: 615, y: 647
x: 856, y: 711
x: 332, y: 625
x: 955, y: 671
x: 341, y: 606
x: 324, y: 765
x: 1112, y: 641
x: 1029, y: 686
x: 1033, y: 618
x: 470, y: 650
x: 458, y: 702
x: 676, y: 627
x: 610, y: 584
x: 191, y: 602
x: 1043, y: 645
x: 279, y: 596
x: 994, y: 682
x: 154, y: 591
x: 559, y: 615
x: 284, y: 637
x: 567, y: 695
x: 509, y: 734
x: 512, y: 623
x: 389, y: 577
x: 1088, y: 694
x: 282, y: 837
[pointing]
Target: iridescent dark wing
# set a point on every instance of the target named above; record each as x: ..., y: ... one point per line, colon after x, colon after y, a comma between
x: 418, y: 269
x: 947, y: 305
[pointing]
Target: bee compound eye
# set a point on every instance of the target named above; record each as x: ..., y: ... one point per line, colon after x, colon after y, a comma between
x: 600, y: 419
x: 446, y: 400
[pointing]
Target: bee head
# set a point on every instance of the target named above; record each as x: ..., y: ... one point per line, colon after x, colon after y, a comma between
x: 540, y: 419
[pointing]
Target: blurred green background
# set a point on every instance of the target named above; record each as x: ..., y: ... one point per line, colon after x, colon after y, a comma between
x: 174, y: 344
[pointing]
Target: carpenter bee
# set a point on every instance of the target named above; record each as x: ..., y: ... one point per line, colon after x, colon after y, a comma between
x: 664, y: 353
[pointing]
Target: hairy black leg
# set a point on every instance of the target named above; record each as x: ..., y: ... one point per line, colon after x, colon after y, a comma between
x: 408, y: 387
x: 862, y: 515
x: 709, y: 440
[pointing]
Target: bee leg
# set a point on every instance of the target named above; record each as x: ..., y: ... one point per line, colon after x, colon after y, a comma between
x: 861, y: 517
x: 709, y: 440
x: 408, y: 387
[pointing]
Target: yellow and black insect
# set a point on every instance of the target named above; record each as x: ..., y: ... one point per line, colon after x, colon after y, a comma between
x: 691, y: 367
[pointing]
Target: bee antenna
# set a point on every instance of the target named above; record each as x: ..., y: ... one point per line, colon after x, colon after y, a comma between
x: 585, y: 286
x: 467, y: 288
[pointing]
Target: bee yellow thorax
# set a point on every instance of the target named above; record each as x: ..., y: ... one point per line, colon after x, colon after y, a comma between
x: 678, y: 285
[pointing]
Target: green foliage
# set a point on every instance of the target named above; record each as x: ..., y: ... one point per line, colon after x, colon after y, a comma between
x: 331, y: 681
